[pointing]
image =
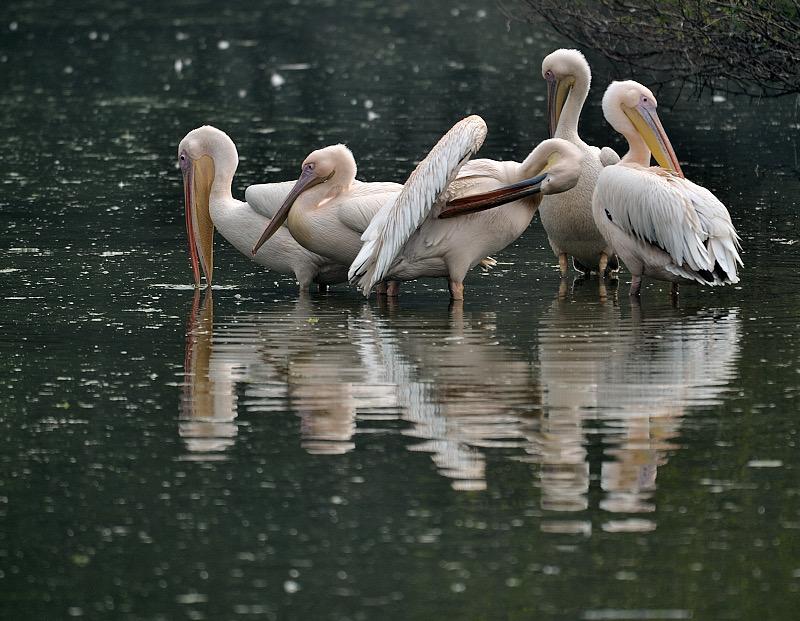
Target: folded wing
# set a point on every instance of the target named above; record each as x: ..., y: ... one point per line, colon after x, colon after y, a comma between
x: 675, y: 215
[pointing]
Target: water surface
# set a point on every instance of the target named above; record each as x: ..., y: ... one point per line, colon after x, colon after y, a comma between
x: 537, y: 452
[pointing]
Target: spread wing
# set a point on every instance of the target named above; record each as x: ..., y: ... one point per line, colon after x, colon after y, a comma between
x: 680, y: 217
x: 397, y: 220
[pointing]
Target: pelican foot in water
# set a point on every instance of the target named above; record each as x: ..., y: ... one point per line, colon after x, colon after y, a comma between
x: 488, y: 263
x: 322, y: 287
x: 456, y: 290
x: 393, y: 288
x: 563, y: 289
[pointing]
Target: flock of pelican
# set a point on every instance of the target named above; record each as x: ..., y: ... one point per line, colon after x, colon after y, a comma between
x: 453, y: 212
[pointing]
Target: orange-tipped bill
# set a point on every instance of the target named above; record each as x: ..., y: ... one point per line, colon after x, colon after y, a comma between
x: 198, y: 175
x: 495, y: 198
x: 308, y: 178
x: 645, y: 119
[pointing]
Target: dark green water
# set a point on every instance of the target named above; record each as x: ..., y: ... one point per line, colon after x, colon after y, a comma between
x: 527, y: 456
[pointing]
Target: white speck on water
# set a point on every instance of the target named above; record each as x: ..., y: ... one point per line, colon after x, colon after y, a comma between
x: 632, y: 525
x: 294, y: 66
x: 764, y: 463
x: 368, y: 104
x: 718, y: 98
x: 74, y: 611
x: 290, y: 586
x: 13, y: 26
x: 481, y: 14
x: 277, y: 80
x: 223, y: 44
x: 93, y: 35
x: 178, y: 65
x: 371, y: 116
x: 181, y: 36
x: 458, y: 587
x: 242, y: 93
x: 68, y: 69
x: 191, y: 598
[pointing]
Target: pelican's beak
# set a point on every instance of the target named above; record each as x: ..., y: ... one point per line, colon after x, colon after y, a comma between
x: 645, y: 119
x: 198, y: 175
x: 308, y: 179
x: 558, y: 90
x: 501, y: 196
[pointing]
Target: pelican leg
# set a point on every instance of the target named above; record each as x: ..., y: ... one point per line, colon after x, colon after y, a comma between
x: 563, y: 266
x: 674, y: 292
x: 602, y: 289
x: 602, y: 264
x: 380, y: 288
x: 393, y: 288
x: 322, y: 287
x: 636, y: 285
x: 456, y: 290
x: 563, y: 289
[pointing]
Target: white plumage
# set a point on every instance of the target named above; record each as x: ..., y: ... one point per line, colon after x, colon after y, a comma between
x: 401, y: 216
x: 661, y: 224
x: 567, y: 217
x: 408, y: 239
x: 209, y: 159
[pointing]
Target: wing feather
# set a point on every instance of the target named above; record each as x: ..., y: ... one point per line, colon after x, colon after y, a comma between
x: 681, y: 218
x: 400, y: 216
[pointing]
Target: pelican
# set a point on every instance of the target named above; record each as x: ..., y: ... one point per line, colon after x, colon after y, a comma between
x: 661, y: 224
x: 328, y: 210
x: 567, y: 217
x: 208, y: 161
x: 408, y: 238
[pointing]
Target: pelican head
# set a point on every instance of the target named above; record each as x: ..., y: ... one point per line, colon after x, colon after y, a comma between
x: 553, y: 166
x: 562, y: 69
x: 630, y: 108
x: 202, y: 154
x: 333, y: 165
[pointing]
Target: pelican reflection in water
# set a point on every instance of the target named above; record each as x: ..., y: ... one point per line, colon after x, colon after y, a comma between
x: 591, y: 377
x: 346, y: 370
x: 627, y: 381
